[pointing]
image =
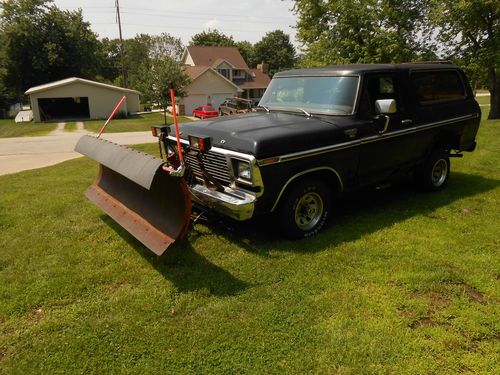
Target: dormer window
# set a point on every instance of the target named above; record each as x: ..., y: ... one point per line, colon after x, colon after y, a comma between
x: 238, y: 74
x: 224, y: 72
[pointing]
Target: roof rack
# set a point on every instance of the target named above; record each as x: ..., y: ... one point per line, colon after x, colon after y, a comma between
x: 431, y: 62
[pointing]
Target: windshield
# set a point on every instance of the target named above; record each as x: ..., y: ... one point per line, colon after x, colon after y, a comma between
x: 323, y: 95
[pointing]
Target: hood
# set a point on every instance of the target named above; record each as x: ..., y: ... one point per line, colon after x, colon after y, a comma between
x: 266, y: 134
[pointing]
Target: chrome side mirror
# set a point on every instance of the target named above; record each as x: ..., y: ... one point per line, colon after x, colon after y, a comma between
x: 385, y: 106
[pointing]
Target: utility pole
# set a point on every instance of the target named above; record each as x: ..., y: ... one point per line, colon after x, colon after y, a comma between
x: 118, y: 20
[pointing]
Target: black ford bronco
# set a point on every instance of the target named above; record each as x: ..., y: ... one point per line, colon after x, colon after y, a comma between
x: 319, y: 132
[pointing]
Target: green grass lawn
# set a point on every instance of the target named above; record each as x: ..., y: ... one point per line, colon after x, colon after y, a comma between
x: 8, y: 129
x: 70, y: 127
x: 483, y: 100
x: 132, y: 123
x: 399, y: 282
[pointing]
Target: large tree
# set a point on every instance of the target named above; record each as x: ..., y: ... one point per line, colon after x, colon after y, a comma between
x: 161, y: 68
x: 212, y: 38
x: 43, y: 43
x: 247, y: 50
x: 470, y: 32
x: 276, y: 50
x: 157, y: 76
x: 138, y: 51
x: 361, y: 31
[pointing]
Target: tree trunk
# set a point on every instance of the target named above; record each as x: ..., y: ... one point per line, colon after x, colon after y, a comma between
x: 494, y: 87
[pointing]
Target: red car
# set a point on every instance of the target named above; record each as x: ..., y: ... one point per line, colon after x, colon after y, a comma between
x: 205, y: 111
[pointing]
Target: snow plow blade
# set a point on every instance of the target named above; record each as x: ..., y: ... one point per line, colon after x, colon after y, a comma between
x: 137, y: 193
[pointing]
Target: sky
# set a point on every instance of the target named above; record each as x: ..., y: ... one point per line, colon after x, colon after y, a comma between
x: 243, y: 19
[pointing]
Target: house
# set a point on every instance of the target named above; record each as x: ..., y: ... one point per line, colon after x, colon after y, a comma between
x: 78, y: 98
x: 217, y: 73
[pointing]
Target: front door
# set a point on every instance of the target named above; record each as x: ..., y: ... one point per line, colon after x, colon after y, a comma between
x: 384, y: 149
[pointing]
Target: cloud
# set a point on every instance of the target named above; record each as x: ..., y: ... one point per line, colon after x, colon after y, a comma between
x: 212, y: 24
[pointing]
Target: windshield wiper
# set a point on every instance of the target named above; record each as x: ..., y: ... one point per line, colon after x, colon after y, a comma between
x: 303, y: 110
x: 263, y: 106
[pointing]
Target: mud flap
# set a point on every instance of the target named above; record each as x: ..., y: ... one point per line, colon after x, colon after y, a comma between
x: 137, y: 193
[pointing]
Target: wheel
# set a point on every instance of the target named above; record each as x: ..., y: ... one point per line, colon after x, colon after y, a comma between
x: 434, y: 172
x: 304, y: 209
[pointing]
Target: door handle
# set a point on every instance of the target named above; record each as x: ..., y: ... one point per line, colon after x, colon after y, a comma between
x: 406, y: 122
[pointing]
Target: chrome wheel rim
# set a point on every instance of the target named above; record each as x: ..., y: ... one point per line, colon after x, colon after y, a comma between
x: 439, y: 172
x: 308, y: 211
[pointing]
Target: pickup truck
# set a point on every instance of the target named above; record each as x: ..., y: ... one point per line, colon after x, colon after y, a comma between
x: 232, y: 106
x: 320, y: 132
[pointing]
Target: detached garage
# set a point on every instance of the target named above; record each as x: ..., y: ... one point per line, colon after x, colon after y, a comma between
x: 77, y: 98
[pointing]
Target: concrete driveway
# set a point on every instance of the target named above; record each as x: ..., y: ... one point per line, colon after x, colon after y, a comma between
x: 23, y: 153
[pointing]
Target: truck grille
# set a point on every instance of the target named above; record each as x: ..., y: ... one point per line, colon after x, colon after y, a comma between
x: 215, y: 164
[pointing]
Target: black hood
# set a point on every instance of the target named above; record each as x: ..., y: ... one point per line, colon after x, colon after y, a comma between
x: 266, y: 134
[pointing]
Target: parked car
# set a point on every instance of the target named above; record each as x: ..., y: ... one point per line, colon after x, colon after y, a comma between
x: 233, y: 106
x: 321, y: 132
x: 205, y: 111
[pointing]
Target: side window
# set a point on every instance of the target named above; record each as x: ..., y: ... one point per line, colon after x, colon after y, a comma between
x: 438, y: 86
x: 377, y: 87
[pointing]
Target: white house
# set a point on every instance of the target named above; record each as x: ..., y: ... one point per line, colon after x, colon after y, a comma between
x: 77, y: 98
x: 218, y: 73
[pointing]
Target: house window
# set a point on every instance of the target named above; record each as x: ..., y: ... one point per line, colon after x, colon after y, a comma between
x: 224, y: 72
x: 240, y: 74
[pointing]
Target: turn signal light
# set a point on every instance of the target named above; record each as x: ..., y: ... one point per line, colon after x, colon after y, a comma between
x: 203, y: 144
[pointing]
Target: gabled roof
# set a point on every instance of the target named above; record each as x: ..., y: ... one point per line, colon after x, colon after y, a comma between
x: 194, y: 72
x: 220, y: 61
x: 259, y: 80
x: 210, y: 55
x: 67, y: 81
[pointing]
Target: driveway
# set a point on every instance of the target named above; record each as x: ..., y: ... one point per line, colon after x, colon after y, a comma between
x: 23, y: 153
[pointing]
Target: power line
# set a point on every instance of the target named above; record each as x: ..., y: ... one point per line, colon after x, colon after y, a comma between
x: 253, y: 30
x: 158, y: 12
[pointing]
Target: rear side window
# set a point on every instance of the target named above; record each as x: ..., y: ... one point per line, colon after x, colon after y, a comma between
x: 438, y: 86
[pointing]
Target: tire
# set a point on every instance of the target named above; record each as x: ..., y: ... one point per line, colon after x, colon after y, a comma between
x: 434, y: 173
x: 303, y: 210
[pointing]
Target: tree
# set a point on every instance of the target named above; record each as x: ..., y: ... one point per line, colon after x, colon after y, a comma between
x: 246, y: 50
x: 110, y: 67
x: 276, y: 50
x: 43, y: 43
x: 470, y: 31
x: 156, y: 77
x: 361, y: 31
x: 212, y: 38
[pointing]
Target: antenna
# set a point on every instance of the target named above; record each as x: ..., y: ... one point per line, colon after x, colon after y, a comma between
x: 118, y: 20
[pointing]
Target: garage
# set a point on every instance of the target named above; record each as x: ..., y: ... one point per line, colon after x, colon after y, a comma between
x: 206, y: 87
x: 52, y: 109
x: 79, y: 99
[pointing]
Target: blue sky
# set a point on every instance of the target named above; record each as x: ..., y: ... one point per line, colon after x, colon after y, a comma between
x: 244, y: 20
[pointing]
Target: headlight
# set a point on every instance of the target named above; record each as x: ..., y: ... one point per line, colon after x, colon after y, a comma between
x: 243, y: 170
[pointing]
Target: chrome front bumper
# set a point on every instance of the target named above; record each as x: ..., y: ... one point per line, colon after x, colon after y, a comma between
x: 233, y: 203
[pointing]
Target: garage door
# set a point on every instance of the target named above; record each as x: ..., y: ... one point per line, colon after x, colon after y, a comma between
x: 63, y: 108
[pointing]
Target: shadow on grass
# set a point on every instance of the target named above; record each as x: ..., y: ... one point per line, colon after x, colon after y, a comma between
x: 186, y: 269
x: 354, y: 215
